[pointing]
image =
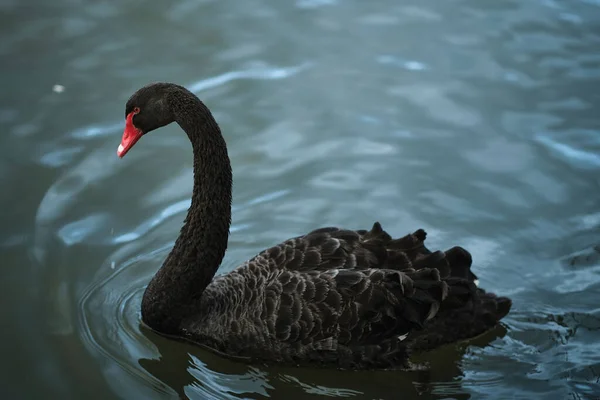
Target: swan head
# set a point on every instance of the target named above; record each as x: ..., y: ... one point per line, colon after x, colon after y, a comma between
x: 146, y: 110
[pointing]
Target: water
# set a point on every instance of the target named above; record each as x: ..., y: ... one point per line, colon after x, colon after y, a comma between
x: 476, y: 121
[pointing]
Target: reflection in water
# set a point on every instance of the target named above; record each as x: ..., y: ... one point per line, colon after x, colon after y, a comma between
x: 210, y: 376
x: 477, y: 122
x: 202, y: 377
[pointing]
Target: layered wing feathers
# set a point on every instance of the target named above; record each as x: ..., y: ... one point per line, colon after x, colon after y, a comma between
x: 352, y: 298
x: 335, y: 287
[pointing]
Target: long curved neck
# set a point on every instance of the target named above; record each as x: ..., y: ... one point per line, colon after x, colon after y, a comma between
x: 175, y: 290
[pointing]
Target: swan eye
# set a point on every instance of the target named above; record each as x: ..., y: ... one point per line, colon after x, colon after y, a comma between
x: 136, y: 110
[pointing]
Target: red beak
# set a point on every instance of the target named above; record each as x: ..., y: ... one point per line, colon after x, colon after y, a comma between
x: 130, y: 136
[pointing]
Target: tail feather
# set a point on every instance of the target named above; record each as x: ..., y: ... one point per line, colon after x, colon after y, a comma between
x: 435, y: 260
x: 460, y: 292
x: 460, y: 262
x: 446, y: 303
x: 495, y: 307
x: 429, y: 293
x: 466, y: 313
x: 411, y: 244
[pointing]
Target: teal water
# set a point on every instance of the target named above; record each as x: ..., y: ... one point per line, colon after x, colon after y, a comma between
x: 477, y: 121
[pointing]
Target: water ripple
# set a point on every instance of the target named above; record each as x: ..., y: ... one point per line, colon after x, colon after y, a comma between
x: 483, y: 131
x: 579, y: 157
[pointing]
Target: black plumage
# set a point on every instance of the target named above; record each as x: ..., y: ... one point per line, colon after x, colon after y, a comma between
x: 336, y: 297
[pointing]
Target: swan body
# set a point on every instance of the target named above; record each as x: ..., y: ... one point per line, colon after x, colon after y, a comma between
x: 334, y: 297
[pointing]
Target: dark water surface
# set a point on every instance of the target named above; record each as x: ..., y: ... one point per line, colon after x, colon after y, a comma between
x: 478, y: 121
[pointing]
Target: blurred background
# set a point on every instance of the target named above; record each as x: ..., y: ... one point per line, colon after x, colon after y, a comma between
x: 477, y: 121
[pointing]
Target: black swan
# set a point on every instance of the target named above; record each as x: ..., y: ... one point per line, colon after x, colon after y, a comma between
x: 333, y: 297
